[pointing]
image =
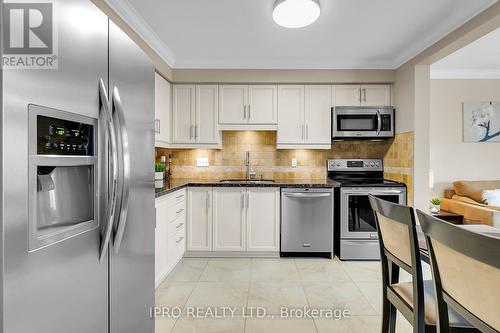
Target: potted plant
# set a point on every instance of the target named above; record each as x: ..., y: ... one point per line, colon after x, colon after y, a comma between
x: 435, y: 205
x: 159, y: 171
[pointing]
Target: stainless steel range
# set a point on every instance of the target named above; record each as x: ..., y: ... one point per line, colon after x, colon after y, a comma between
x: 358, y: 178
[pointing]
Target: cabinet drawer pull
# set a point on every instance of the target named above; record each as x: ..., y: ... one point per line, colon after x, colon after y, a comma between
x: 179, y: 196
x: 179, y: 225
x: 179, y: 240
x: 179, y: 211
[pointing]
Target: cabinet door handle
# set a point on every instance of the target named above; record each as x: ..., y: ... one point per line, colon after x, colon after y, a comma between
x: 244, y: 112
x: 190, y: 131
x: 195, y: 131
x: 249, y: 114
x: 179, y: 196
x: 159, y: 126
x: 248, y: 200
x: 208, y: 202
x: 359, y: 98
x: 302, y: 131
x: 242, y: 200
x: 364, y: 95
x: 307, y: 132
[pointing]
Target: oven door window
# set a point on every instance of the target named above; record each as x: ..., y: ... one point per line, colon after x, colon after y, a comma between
x: 357, y: 123
x: 361, y: 218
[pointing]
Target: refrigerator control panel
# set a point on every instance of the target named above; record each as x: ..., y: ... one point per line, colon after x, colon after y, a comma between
x: 64, y: 137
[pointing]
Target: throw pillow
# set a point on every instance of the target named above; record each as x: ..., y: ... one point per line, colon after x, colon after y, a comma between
x: 492, y: 197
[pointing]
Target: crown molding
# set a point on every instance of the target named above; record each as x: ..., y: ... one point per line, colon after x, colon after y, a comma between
x: 465, y: 73
x: 128, y: 13
x: 426, y: 42
x: 280, y: 64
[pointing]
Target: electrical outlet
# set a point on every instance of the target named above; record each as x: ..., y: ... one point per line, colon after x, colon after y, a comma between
x: 202, y: 161
x: 294, y: 162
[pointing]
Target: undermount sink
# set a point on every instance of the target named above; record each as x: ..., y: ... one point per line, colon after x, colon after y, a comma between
x: 247, y: 181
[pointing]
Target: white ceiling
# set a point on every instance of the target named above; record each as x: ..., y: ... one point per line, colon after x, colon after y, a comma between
x: 242, y: 34
x: 479, y: 59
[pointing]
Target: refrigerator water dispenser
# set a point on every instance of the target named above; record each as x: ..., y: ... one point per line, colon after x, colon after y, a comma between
x: 62, y: 176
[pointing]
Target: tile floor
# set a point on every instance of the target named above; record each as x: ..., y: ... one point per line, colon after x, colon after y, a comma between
x: 271, y: 284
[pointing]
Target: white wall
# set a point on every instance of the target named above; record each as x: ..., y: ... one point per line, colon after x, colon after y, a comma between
x: 404, y: 99
x: 450, y: 158
x: 421, y: 140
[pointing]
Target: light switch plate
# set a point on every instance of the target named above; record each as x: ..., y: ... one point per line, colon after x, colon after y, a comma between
x: 294, y: 162
x: 202, y: 161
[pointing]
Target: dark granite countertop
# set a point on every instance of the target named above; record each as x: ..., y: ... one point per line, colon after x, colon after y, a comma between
x: 176, y: 184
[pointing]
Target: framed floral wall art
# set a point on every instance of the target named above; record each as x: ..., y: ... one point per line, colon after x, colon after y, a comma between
x: 481, y: 121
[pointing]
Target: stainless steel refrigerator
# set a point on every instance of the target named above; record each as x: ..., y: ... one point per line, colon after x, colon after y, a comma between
x: 77, y: 184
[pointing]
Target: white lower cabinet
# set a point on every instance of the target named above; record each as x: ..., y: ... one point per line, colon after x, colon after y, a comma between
x: 161, y: 266
x: 229, y: 219
x: 233, y: 219
x: 199, y: 229
x: 170, y: 232
x: 263, y: 219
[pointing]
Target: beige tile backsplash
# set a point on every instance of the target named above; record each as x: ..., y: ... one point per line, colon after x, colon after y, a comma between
x: 229, y: 162
x: 398, y: 161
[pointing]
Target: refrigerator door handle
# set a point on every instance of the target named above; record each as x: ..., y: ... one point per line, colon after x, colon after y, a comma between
x: 112, y: 199
x: 124, y: 163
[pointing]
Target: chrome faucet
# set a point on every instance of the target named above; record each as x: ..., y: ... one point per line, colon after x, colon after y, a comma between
x: 248, y: 164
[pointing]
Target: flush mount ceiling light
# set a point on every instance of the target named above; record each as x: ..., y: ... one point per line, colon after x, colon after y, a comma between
x: 296, y: 13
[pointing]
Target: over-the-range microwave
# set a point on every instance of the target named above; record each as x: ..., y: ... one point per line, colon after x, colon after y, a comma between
x: 362, y: 122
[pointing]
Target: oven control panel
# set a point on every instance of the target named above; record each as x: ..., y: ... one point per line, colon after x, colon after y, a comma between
x: 355, y: 165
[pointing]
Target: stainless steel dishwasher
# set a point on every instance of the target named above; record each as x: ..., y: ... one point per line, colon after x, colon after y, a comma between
x: 307, y: 222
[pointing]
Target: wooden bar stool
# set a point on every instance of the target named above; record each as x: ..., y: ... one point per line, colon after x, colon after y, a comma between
x: 466, y: 273
x: 399, y: 249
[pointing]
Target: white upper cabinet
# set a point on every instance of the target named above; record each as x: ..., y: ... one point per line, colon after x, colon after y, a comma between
x: 362, y: 95
x: 229, y: 219
x: 304, y: 114
x: 207, y: 105
x: 376, y: 95
x: 162, y: 111
x: 183, y: 116
x: 318, y: 113
x: 263, y: 219
x: 199, y: 233
x: 195, y: 115
x: 291, y: 114
x: 347, y: 95
x: 248, y: 105
x: 262, y: 104
x: 233, y: 104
